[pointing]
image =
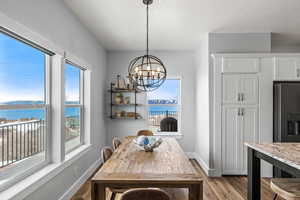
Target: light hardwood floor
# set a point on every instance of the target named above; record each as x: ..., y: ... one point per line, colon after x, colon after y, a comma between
x: 224, y: 188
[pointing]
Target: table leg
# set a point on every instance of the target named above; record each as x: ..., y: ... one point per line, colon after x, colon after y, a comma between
x: 253, y: 175
x: 196, y: 192
x: 98, y: 191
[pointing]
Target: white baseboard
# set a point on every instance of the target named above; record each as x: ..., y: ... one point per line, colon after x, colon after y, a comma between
x: 206, y: 169
x: 76, y: 186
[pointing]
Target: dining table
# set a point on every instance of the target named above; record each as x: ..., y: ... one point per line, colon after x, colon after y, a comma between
x: 131, y: 167
x: 285, y: 156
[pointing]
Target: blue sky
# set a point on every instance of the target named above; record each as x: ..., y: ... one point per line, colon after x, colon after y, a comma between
x: 170, y: 89
x: 72, y: 83
x: 22, y: 72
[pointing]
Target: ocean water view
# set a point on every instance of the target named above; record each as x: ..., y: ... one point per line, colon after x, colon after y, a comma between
x: 162, y: 108
x: 32, y: 113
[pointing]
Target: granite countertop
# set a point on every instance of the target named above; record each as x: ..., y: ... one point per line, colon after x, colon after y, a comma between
x: 288, y: 153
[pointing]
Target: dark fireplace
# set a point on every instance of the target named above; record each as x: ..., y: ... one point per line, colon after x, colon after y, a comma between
x: 286, y: 116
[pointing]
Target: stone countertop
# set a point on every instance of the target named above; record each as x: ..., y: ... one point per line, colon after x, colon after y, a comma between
x: 288, y: 153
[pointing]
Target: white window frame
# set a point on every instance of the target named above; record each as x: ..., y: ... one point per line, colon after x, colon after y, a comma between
x: 46, y: 106
x: 179, y: 108
x: 19, y: 187
x: 80, y: 105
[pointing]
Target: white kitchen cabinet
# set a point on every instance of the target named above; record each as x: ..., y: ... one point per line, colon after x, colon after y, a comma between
x: 239, y: 125
x: 287, y: 68
x: 240, y: 65
x: 240, y: 89
x: 245, y: 81
x: 231, y: 89
x: 231, y: 155
x: 249, y: 131
x: 248, y: 89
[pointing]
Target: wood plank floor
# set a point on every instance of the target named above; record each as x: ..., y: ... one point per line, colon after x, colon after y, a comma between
x: 223, y: 188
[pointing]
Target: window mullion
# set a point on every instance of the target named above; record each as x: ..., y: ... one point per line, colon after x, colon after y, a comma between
x: 58, y: 105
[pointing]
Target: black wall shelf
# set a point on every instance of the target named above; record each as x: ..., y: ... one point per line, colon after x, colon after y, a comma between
x: 114, y: 91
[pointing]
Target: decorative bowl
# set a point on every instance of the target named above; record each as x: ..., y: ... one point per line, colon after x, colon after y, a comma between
x: 148, y: 143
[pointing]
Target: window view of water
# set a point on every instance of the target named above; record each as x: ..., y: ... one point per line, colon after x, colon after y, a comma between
x: 11, y: 115
x: 163, y: 107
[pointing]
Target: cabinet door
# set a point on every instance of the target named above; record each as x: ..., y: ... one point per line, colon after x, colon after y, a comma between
x: 230, y: 89
x: 231, y: 141
x: 248, y: 89
x: 249, y: 132
x: 287, y: 68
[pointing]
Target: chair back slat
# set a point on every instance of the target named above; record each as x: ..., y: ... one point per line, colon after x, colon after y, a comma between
x: 145, y: 133
x: 106, y: 153
x: 116, y: 142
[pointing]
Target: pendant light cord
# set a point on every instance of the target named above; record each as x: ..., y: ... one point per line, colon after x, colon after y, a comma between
x: 147, y: 30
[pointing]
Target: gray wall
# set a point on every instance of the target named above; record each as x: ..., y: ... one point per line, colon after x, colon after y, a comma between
x: 239, y: 42
x: 52, y: 20
x: 178, y: 64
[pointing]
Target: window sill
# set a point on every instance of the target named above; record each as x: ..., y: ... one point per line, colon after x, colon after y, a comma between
x: 25, y: 187
x: 176, y: 135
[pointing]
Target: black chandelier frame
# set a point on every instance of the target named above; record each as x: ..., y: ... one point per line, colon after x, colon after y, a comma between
x: 146, y: 64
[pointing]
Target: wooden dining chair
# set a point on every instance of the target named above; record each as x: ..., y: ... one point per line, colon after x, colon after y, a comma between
x: 287, y: 188
x: 106, y: 153
x: 116, y: 142
x: 145, y: 194
x: 145, y: 133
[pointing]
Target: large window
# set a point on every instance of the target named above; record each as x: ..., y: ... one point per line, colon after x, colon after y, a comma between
x: 23, y: 107
x: 164, y: 108
x: 73, y: 106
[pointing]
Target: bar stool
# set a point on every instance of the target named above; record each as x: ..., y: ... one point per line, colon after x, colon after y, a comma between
x: 287, y: 188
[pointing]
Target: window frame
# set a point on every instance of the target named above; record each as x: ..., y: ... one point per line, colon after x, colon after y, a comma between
x: 46, y: 106
x: 179, y: 108
x: 80, y: 105
x: 22, y: 185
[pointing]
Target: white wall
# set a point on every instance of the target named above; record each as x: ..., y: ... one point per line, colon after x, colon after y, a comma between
x: 202, y: 104
x: 52, y: 20
x: 178, y: 64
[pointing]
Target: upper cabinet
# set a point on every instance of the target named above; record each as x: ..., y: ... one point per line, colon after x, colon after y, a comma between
x: 240, y: 89
x: 240, y: 65
x: 287, y: 68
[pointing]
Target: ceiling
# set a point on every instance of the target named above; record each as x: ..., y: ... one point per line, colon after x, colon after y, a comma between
x: 180, y: 24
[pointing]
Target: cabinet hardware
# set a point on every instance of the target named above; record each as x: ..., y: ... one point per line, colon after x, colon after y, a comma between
x: 243, y: 96
x: 298, y: 73
x: 239, y: 96
x: 239, y: 111
x: 242, y: 111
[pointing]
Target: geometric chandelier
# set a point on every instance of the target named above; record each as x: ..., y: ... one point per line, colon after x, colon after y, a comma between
x: 147, y: 72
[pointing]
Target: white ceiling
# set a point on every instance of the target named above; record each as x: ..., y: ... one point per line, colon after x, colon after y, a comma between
x: 179, y: 24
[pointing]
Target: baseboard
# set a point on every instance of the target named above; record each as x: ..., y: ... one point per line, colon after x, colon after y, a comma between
x: 206, y: 169
x: 76, y: 186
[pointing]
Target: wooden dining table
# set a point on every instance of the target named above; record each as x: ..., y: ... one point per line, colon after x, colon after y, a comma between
x: 285, y: 156
x: 130, y: 167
